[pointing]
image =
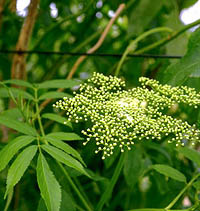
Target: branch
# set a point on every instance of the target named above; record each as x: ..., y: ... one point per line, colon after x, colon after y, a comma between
x: 133, y: 45
x: 12, y: 5
x: 18, y: 70
x: 168, y: 38
x: 99, y: 42
x: 91, y: 50
x: 2, y: 2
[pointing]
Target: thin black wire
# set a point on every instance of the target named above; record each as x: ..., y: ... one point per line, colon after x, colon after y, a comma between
x: 89, y: 54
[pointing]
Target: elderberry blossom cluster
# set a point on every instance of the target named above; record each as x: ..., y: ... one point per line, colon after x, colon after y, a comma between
x: 121, y: 117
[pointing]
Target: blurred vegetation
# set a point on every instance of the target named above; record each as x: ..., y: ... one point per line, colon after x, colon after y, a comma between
x: 26, y: 108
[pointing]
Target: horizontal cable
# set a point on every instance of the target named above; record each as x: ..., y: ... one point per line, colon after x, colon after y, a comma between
x: 89, y: 54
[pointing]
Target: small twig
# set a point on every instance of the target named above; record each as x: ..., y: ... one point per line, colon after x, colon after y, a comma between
x: 99, y: 42
x: 168, y: 38
x: 4, y: 134
x: 91, y: 50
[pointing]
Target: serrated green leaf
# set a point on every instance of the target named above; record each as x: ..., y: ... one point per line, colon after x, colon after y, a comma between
x: 7, y: 153
x: 65, y: 136
x: 19, y: 166
x: 13, y: 113
x: 169, y: 172
x: 58, y: 84
x: 66, y: 203
x: 63, y: 157
x: 65, y: 147
x: 189, y: 66
x: 57, y: 118
x: 17, y: 125
x: 190, y: 154
x: 19, y: 83
x: 49, y: 186
x: 16, y: 93
x: 52, y: 94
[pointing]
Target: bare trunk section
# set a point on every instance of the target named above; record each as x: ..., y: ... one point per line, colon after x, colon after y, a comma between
x: 2, y: 2
x: 18, y: 70
x: 12, y: 5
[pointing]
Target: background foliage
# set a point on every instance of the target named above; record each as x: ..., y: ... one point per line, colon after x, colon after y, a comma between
x: 57, y: 170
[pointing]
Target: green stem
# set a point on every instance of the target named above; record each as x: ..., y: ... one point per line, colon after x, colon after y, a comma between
x: 79, y: 185
x: 133, y: 45
x: 112, y: 183
x: 168, y: 38
x: 182, y: 192
x: 38, y: 113
x: 74, y: 187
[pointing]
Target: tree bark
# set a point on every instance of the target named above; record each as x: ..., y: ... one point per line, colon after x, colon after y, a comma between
x: 2, y: 2
x: 12, y: 5
x: 18, y: 70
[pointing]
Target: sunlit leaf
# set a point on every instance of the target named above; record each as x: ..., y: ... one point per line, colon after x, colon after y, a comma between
x: 14, y: 113
x: 19, y: 83
x: 17, y: 125
x: 57, y: 118
x: 189, y: 66
x: 65, y: 136
x: 52, y: 94
x: 65, y: 147
x: 19, y: 166
x: 4, y: 93
x: 7, y: 153
x: 58, y: 84
x: 49, y: 186
x: 63, y: 157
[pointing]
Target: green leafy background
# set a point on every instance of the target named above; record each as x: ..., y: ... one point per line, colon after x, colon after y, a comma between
x: 154, y: 172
